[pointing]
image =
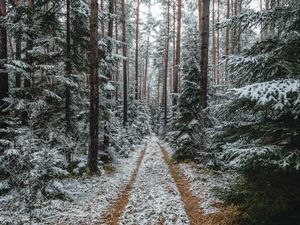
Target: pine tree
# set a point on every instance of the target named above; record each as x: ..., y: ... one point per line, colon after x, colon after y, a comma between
x: 94, y: 91
x: 260, y: 134
x: 3, y: 57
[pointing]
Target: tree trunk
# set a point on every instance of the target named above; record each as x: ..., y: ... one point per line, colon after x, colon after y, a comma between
x: 18, y: 57
x: 173, y: 52
x: 68, y: 75
x: 213, y: 49
x: 227, y: 44
x: 204, y: 54
x: 102, y: 21
x: 117, y: 52
x: 18, y: 51
x: 125, y: 104
x: 142, y: 80
x: 200, y: 12
x: 166, y: 64
x: 106, y: 138
x: 3, y: 57
x: 234, y: 5
x: 29, y: 59
x: 177, y: 57
x: 239, y: 29
x: 218, y: 48
x: 146, y: 69
x: 137, y: 50
x: 94, y: 91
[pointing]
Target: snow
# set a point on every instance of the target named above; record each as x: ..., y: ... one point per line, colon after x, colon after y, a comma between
x: 91, y: 196
x: 154, y: 195
x: 278, y: 93
x: 204, y: 183
x: 109, y: 87
x: 87, y: 198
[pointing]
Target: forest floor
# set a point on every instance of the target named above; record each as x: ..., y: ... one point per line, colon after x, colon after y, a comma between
x: 162, y: 193
x: 147, y: 188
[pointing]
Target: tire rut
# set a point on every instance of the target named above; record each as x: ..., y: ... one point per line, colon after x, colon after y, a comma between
x: 191, y: 203
x: 116, y: 208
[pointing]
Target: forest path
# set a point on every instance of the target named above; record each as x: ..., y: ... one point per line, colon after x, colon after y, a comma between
x: 157, y: 193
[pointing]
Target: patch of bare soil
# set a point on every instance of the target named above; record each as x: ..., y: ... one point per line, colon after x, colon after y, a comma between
x: 116, y: 208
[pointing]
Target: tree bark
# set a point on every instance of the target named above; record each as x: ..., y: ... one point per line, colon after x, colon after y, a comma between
x: 3, y: 57
x: 146, y: 69
x: 68, y: 75
x: 117, y: 74
x: 218, y: 47
x: 137, y: 50
x: 200, y: 12
x: 29, y: 58
x: 166, y: 64
x: 213, y: 49
x: 106, y: 138
x: 227, y: 43
x: 125, y: 99
x: 234, y: 10
x: 204, y: 54
x: 94, y: 91
x: 18, y: 51
x: 177, y: 56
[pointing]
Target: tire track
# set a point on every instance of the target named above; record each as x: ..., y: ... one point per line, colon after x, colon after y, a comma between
x: 191, y: 203
x: 115, y: 210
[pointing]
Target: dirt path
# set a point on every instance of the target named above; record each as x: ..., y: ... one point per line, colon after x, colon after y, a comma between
x: 157, y: 194
x: 191, y: 203
x: 115, y: 210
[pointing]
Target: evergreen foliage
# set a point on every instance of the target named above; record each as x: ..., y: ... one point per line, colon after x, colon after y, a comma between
x: 259, y: 134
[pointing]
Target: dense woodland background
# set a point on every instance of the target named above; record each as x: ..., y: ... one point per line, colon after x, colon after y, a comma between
x: 83, y: 81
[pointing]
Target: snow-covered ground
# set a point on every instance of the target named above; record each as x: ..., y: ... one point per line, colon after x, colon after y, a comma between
x: 204, y: 183
x: 154, y: 197
x: 88, y: 197
x: 91, y: 196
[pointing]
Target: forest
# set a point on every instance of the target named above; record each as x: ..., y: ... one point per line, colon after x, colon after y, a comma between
x: 149, y: 112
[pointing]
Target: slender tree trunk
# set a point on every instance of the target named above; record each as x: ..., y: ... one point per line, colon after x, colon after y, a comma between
x: 94, y: 91
x: 173, y: 52
x: 3, y: 57
x: 234, y: 5
x: 239, y: 28
x: 68, y: 75
x: 146, y: 69
x: 137, y: 50
x: 200, y: 12
x: 204, y: 54
x: 125, y: 104
x: 102, y: 21
x: 218, y: 48
x: 106, y: 138
x: 117, y: 52
x: 213, y: 49
x: 227, y: 43
x: 18, y: 57
x: 128, y: 64
x: 166, y: 64
x: 177, y: 57
x: 18, y: 52
x: 29, y: 58
x: 142, y: 80
x: 30, y: 41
